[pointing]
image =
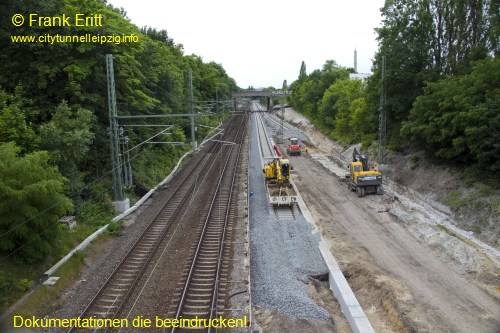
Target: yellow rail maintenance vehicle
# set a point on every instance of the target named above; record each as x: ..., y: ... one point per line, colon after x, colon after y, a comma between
x: 277, y: 171
x: 364, y: 179
x: 279, y: 189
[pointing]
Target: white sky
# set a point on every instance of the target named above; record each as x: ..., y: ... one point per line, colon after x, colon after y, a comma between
x: 261, y: 43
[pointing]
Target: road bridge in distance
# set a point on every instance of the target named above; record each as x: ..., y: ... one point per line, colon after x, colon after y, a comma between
x: 268, y: 94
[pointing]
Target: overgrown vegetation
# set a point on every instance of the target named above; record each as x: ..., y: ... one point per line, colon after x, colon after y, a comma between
x: 15, y: 276
x: 335, y: 104
x: 442, y: 86
x: 44, y: 299
x: 54, y: 145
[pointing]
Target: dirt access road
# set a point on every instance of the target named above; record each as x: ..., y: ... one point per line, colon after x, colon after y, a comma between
x: 403, y: 285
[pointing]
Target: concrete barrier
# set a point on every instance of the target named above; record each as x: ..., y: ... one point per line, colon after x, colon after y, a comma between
x: 349, y: 304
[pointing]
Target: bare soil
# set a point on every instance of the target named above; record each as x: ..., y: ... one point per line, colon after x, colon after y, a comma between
x: 408, y: 274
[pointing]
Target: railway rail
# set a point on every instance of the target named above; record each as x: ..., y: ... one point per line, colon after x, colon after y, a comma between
x: 115, y: 293
x: 202, y: 293
x: 275, y: 122
x: 266, y: 147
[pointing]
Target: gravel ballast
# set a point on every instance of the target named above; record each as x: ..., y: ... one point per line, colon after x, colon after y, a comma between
x: 283, y: 253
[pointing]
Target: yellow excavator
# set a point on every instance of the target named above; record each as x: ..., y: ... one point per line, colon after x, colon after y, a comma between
x: 277, y: 171
x: 363, y: 179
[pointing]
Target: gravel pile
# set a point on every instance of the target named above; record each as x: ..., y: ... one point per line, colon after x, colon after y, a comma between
x: 283, y: 253
x: 290, y: 131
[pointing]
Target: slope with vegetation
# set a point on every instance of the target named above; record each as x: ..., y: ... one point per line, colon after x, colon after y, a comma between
x: 54, y: 146
x: 442, y: 88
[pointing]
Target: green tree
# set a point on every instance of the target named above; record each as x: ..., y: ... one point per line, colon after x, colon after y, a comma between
x: 344, y: 112
x: 150, y: 78
x: 13, y: 122
x: 423, y: 41
x: 458, y: 118
x: 463, y: 32
x: 406, y: 41
x: 67, y: 137
x: 31, y: 201
x: 302, y: 72
x: 308, y: 92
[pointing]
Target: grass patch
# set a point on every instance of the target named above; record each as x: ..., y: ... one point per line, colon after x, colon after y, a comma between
x: 485, y: 190
x: 482, y: 197
x: 45, y: 299
x: 415, y: 162
x: 16, y: 276
x: 448, y: 231
x: 454, y: 200
x: 495, y: 204
x: 480, y: 226
x: 115, y: 228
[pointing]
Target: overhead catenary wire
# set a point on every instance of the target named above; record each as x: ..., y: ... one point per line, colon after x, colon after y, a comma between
x: 149, y: 139
x: 98, y: 179
x: 46, y: 229
x: 54, y: 205
x: 78, y: 191
x: 91, y: 183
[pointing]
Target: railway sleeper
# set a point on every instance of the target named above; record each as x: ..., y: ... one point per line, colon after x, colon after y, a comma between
x: 209, y: 256
x: 134, y: 261
x: 149, y: 242
x: 213, y: 250
x: 158, y: 228
x: 103, y: 315
x: 126, y: 274
x: 136, y: 258
x: 100, y: 306
x: 214, y: 232
x: 199, y: 307
x: 204, y: 268
x: 146, y: 246
x: 111, y: 300
x: 222, y: 275
x: 202, y: 290
x: 212, y: 242
x: 122, y: 279
x: 198, y: 279
x: 200, y: 314
x: 196, y: 297
x: 207, y: 282
x: 207, y: 261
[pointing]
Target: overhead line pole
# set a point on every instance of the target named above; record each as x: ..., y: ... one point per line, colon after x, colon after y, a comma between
x: 382, y: 125
x: 191, y: 109
x: 116, y: 154
x: 113, y: 125
x: 282, y: 125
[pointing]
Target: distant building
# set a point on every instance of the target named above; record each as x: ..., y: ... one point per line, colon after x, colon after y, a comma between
x: 356, y: 75
x: 359, y: 76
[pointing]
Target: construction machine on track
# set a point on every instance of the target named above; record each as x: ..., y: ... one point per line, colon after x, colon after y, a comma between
x: 293, y: 147
x: 277, y: 171
x: 279, y: 189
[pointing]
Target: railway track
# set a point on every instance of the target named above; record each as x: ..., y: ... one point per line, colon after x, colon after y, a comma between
x: 275, y: 122
x: 285, y: 213
x: 202, y: 291
x: 266, y: 148
x: 116, y: 291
